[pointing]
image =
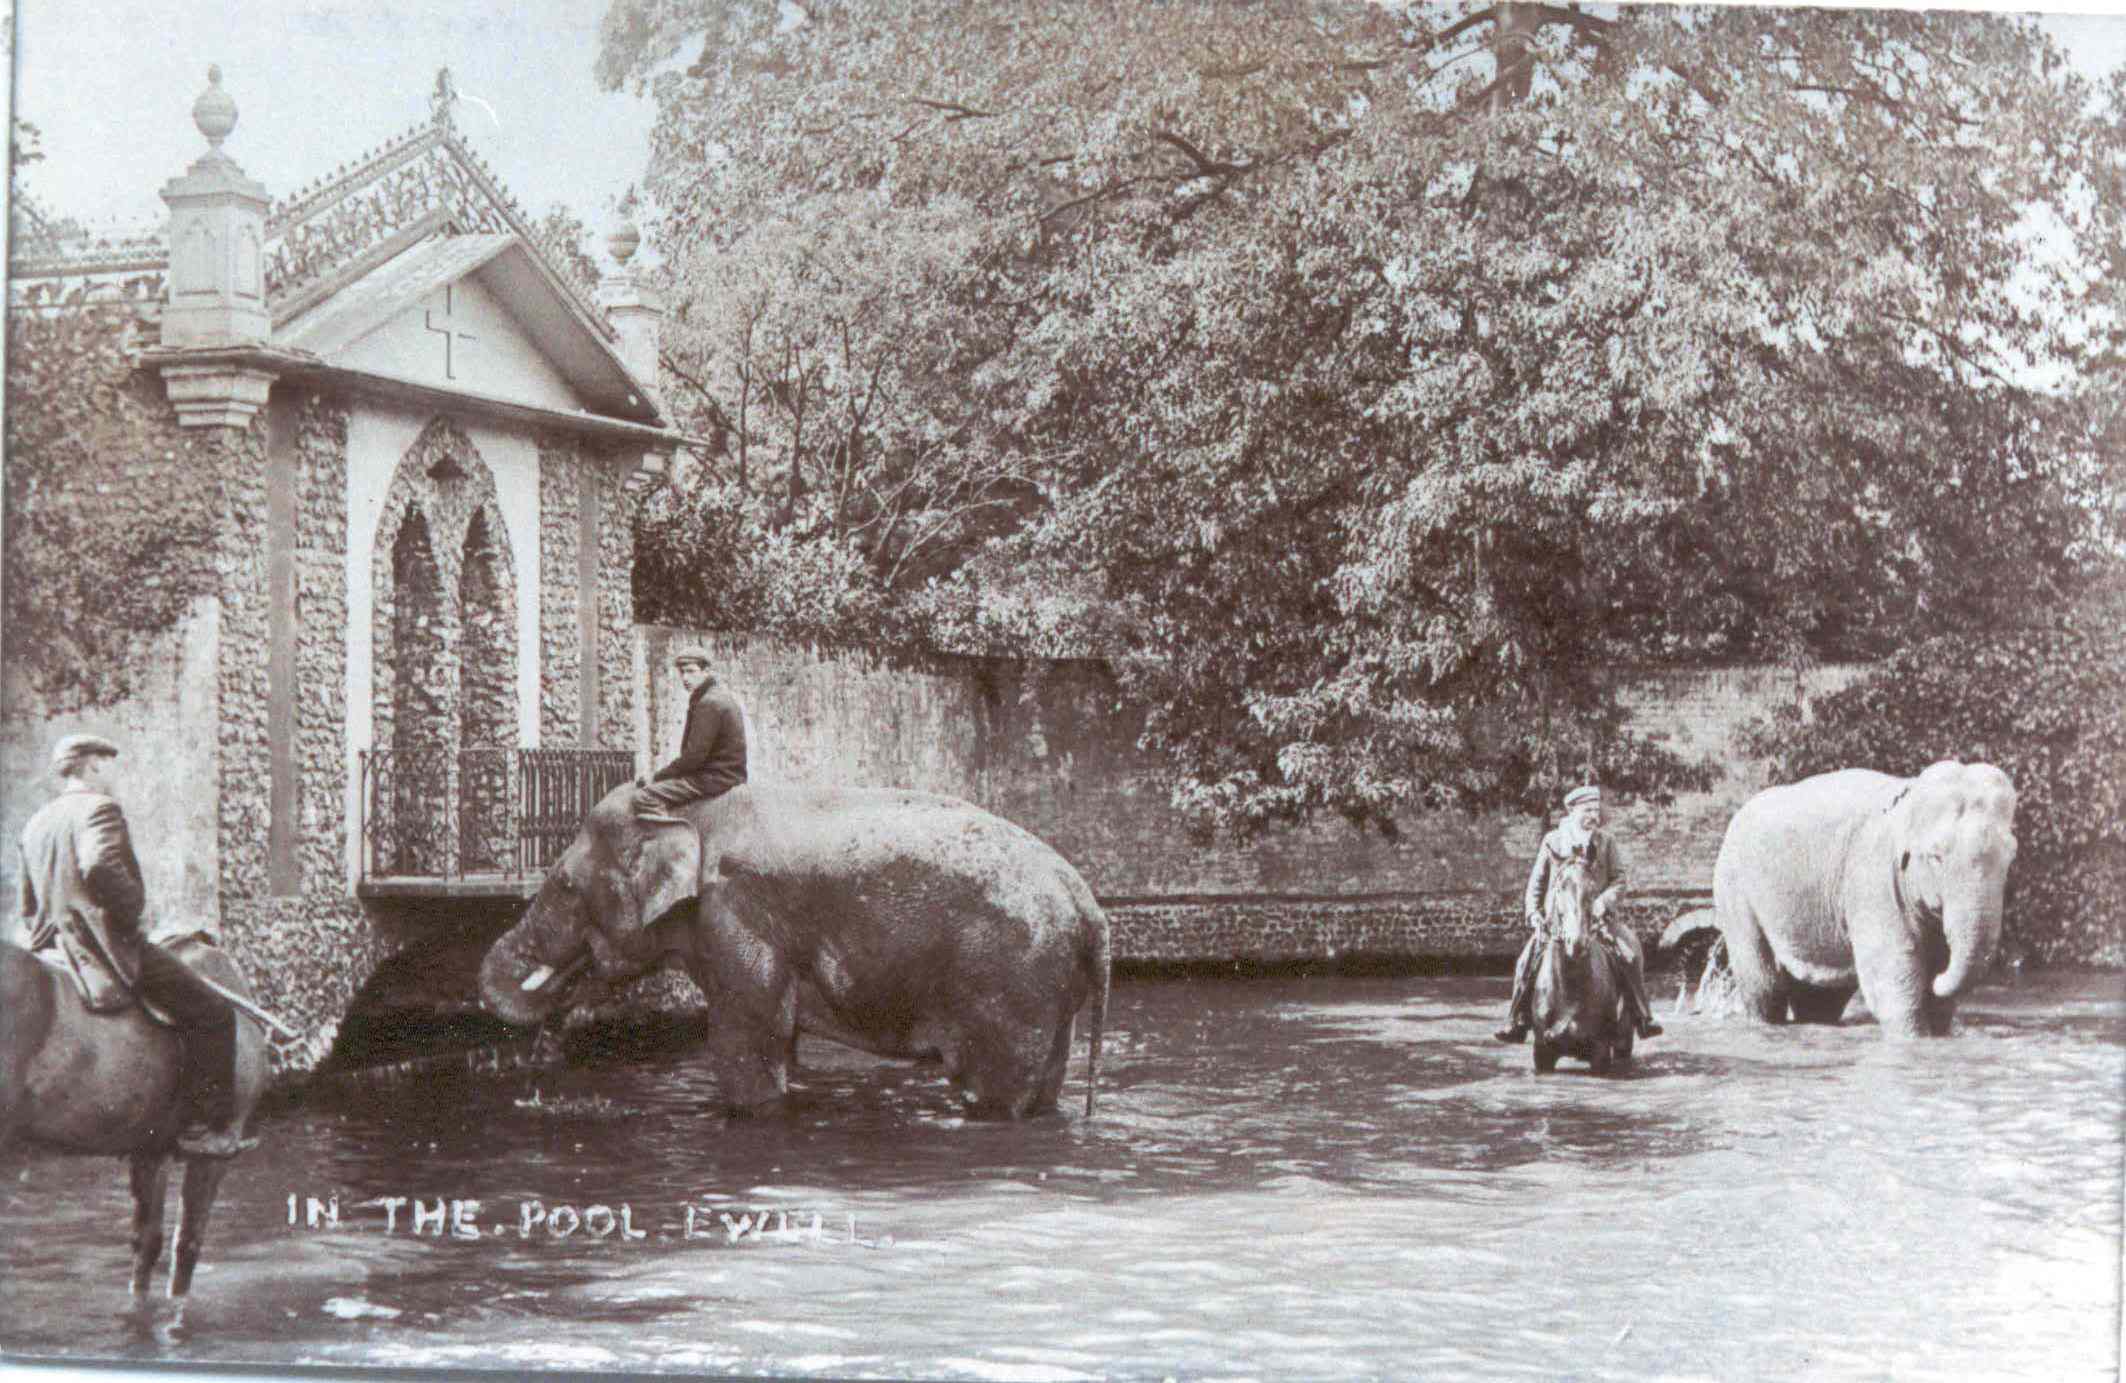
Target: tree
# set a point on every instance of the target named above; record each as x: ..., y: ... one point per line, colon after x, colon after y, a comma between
x: 565, y: 236
x: 1390, y: 370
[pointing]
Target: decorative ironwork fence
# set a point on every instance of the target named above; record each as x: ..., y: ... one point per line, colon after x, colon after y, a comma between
x: 478, y: 813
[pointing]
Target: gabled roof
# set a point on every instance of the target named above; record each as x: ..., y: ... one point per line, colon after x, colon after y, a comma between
x: 424, y: 183
x: 507, y: 268
x: 343, y: 254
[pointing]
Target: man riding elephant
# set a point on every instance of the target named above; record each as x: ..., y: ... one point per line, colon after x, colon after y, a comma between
x: 82, y: 893
x: 712, y: 749
x: 1579, y: 836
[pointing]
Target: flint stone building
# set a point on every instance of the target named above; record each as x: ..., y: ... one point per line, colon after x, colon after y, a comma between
x: 415, y: 667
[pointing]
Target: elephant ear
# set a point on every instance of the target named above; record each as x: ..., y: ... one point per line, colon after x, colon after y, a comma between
x: 667, y: 872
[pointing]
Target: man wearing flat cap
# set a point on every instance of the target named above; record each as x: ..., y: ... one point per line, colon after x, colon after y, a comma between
x: 712, y: 749
x: 1579, y: 835
x: 82, y: 892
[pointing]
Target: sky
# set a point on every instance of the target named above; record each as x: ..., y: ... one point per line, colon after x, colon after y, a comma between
x: 317, y: 83
x: 110, y: 85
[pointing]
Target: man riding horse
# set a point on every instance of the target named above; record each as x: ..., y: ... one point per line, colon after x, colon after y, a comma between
x: 82, y: 893
x: 1579, y: 838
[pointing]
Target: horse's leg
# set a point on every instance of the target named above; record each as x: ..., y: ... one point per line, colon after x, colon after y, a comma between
x: 150, y: 1176
x: 202, y: 1179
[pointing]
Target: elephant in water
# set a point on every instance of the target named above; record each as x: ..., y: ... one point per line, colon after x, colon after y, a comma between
x: 904, y: 924
x: 1858, y: 878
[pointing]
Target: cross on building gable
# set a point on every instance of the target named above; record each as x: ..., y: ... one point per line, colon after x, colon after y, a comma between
x: 450, y: 333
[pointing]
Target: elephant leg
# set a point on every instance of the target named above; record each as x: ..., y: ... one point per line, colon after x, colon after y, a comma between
x: 752, y: 997
x: 149, y: 1174
x: 751, y: 1040
x: 1893, y: 977
x: 202, y: 1181
x: 1009, y: 1071
x: 1760, y: 983
x: 1051, y: 1089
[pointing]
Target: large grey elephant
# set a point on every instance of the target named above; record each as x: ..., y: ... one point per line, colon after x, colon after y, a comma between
x: 905, y: 924
x: 1858, y: 878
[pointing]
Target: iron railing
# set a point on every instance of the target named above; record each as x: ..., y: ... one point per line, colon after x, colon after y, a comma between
x: 478, y: 813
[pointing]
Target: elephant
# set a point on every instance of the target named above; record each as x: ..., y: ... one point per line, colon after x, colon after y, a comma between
x: 1857, y: 878
x: 901, y: 923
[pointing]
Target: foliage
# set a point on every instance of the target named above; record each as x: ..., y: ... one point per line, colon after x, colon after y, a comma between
x: 109, y: 520
x: 2046, y: 704
x: 1381, y: 370
x: 563, y: 233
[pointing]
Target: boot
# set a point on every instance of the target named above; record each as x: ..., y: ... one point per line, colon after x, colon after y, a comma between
x: 210, y: 1103
x: 1515, y: 1031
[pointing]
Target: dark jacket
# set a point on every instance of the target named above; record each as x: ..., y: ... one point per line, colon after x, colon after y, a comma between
x: 1605, y: 866
x: 712, y: 749
x: 81, y: 886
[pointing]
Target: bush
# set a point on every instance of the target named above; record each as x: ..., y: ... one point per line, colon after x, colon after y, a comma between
x: 110, y: 517
x: 2048, y: 706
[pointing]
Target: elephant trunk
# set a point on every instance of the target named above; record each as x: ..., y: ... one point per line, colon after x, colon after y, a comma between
x: 1972, y: 927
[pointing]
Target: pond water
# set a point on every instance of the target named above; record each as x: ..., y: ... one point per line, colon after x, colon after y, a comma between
x: 1320, y: 1178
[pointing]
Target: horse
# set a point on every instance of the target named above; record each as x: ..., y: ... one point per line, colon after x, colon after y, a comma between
x: 1580, y: 1005
x: 107, y: 1084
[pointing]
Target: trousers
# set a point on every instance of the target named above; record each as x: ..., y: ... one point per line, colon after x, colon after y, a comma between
x: 663, y: 797
x: 207, y: 1026
x: 1628, y: 978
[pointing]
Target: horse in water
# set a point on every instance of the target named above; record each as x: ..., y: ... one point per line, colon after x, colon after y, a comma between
x: 1580, y: 1005
x: 72, y: 1081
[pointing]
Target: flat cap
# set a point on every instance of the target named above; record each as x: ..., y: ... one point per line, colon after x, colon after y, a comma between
x: 81, y: 746
x: 1586, y: 792
x: 690, y: 653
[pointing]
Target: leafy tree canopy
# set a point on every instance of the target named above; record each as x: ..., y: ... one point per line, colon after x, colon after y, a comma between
x: 1378, y: 373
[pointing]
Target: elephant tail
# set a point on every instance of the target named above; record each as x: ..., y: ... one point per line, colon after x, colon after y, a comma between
x: 1102, y: 975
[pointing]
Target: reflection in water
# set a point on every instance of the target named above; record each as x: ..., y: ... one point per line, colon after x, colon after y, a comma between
x: 1319, y: 1178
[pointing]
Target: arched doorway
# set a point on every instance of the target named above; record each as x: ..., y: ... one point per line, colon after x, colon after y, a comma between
x: 445, y: 666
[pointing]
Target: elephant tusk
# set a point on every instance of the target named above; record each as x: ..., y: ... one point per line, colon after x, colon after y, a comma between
x: 545, y: 974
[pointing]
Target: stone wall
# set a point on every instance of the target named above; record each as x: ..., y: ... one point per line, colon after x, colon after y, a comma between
x: 615, y: 527
x: 575, y: 477
x: 1449, y: 929
x: 306, y: 951
x: 1053, y: 748
x: 166, y: 732
x: 560, y: 636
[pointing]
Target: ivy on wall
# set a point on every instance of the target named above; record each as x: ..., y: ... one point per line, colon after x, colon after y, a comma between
x: 109, y: 514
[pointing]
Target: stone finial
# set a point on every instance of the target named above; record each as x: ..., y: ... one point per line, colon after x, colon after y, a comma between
x: 215, y: 111
x: 624, y: 239
x: 443, y: 97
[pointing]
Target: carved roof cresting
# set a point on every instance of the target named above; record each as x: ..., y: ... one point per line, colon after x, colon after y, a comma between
x: 425, y: 182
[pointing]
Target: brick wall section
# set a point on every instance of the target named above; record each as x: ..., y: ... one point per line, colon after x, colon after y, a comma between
x: 1053, y: 749
x: 1475, y: 928
x: 560, y: 645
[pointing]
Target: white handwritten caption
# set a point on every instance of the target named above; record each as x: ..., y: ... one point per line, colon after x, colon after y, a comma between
x: 454, y: 1218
